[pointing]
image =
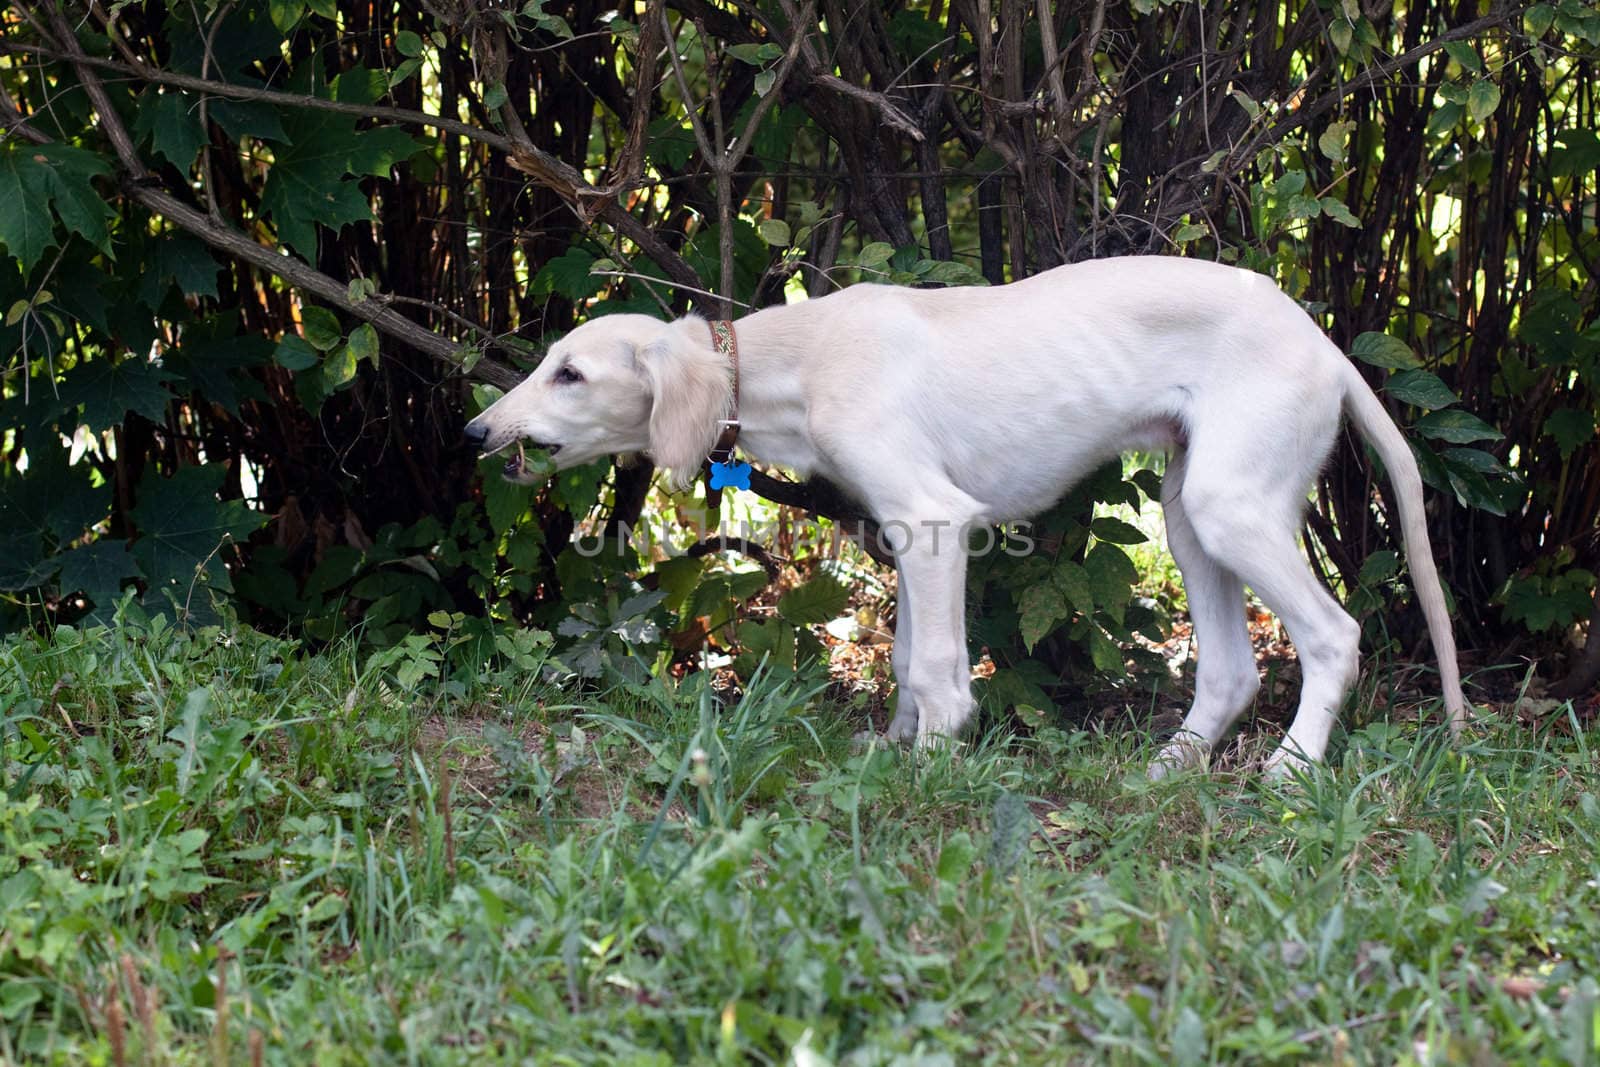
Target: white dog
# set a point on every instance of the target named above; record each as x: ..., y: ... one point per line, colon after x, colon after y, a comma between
x: 940, y: 409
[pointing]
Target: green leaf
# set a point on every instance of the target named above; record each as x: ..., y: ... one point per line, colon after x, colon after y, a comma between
x: 755, y: 54
x: 1105, y: 652
x: 1381, y: 350
x: 407, y: 43
x: 495, y: 97
x: 713, y: 596
x: 1334, y: 142
x: 953, y: 272
x: 293, y: 353
x: 1483, y: 99
x: 307, y: 184
x: 1009, y: 687
x: 670, y: 143
x: 1111, y: 576
x: 285, y: 13
x: 181, y: 526
x: 247, y: 118
x: 98, y: 571
x: 1571, y: 429
x: 378, y: 151
x: 339, y: 369
x: 79, y: 206
x: 404, y: 71
x: 775, y: 232
x: 955, y: 858
x: 213, y: 359
x: 1379, y: 567
x: 25, y: 196
x: 568, y: 275
x: 1475, y: 459
x: 1465, y: 54
x: 1552, y: 322
x: 1302, y: 206
x: 819, y: 600
x: 505, y: 502
x: 1043, y: 608
x: 1471, y: 487
x: 1576, y: 154
x: 1189, y: 231
x: 1341, y: 33
x: 1457, y: 427
x: 321, y: 327
x: 182, y: 259
x: 1336, y: 210
x: 1074, y: 582
x: 108, y: 390
x: 54, y: 497
x: 556, y: 26
x: 23, y: 564
x: 1420, y: 388
x: 1537, y: 19
x: 170, y: 119
x: 1117, y: 532
x: 1148, y: 481
x: 1444, y: 119
x: 364, y: 344
x: 875, y: 254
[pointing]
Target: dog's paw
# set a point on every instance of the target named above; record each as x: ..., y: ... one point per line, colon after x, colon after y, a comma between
x: 903, y: 728
x: 1181, y: 754
x: 865, y: 739
x: 1284, y: 765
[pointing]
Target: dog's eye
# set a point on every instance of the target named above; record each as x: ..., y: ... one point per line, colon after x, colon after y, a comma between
x: 568, y: 374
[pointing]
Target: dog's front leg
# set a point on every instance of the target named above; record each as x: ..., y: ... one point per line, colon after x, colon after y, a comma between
x: 904, y: 726
x: 933, y: 672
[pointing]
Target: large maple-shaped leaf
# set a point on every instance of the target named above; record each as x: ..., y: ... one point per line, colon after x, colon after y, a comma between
x: 248, y: 118
x: 98, y: 572
x: 23, y: 563
x: 182, y: 259
x: 79, y: 205
x: 309, y: 181
x: 53, y: 498
x: 170, y: 118
x: 183, y: 526
x: 25, y: 227
x: 81, y: 291
x: 212, y: 357
x: 34, y: 179
x: 108, y: 390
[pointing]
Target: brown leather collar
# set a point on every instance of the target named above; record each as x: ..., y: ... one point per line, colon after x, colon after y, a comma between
x: 726, y: 342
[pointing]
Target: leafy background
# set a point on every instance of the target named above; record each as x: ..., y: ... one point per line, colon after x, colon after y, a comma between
x: 261, y: 260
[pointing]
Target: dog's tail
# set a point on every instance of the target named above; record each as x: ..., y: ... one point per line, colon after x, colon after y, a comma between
x: 1367, y: 413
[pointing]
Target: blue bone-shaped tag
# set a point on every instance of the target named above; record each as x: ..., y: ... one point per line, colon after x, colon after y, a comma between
x: 734, y: 474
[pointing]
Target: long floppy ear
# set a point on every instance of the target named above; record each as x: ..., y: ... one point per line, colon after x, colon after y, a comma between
x: 691, y: 389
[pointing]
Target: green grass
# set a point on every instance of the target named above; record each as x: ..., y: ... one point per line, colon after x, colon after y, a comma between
x: 217, y: 847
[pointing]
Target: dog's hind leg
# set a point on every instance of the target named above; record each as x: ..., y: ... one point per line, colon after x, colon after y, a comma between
x: 1226, y: 678
x: 1244, y: 508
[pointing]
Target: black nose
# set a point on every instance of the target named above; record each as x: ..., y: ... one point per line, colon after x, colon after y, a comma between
x: 474, y: 435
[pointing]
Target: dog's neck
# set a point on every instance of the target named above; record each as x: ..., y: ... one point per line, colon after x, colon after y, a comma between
x: 773, y: 345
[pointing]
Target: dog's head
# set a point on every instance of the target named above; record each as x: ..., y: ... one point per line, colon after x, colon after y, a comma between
x: 618, y: 384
